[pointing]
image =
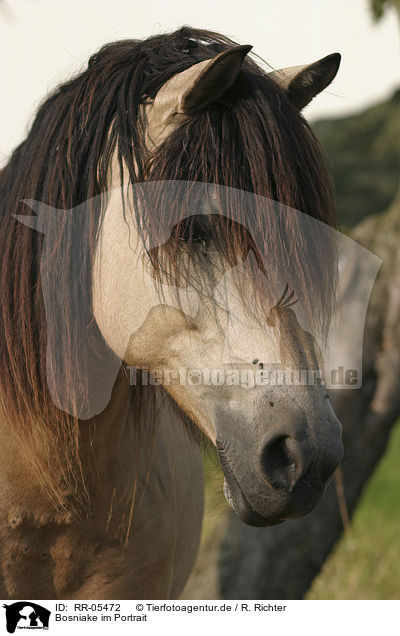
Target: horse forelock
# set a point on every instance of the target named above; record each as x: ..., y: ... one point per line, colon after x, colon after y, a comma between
x: 252, y: 140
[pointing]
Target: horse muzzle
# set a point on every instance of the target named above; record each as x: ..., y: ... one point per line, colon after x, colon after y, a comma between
x: 285, y: 475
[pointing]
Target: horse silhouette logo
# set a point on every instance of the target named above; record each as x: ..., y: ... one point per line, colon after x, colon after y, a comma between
x: 26, y: 615
x: 82, y: 367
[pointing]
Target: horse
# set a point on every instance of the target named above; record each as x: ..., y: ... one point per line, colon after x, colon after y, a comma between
x: 173, y: 162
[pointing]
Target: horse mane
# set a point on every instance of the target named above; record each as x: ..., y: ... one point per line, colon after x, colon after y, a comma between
x: 252, y: 140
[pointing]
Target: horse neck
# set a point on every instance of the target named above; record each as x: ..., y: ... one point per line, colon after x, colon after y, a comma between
x: 117, y: 449
x: 135, y: 449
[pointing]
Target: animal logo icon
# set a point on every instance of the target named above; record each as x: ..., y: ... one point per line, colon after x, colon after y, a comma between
x: 26, y: 615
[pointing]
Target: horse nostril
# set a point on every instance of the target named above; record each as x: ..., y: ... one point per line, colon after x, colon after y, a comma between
x: 278, y: 462
x: 285, y: 462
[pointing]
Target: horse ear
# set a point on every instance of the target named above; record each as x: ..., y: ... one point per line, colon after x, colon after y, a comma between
x: 190, y: 91
x: 302, y: 83
x: 219, y: 75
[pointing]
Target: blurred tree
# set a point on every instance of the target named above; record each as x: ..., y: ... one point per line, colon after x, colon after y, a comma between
x: 379, y: 7
x: 363, y: 154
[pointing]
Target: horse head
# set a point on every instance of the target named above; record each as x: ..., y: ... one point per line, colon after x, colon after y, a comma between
x: 192, y: 270
x: 278, y: 445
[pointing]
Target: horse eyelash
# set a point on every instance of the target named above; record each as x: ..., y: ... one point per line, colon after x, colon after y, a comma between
x: 287, y: 299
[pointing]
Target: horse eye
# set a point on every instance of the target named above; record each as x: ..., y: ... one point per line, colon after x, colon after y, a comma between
x: 197, y: 233
x: 197, y: 239
x: 200, y: 238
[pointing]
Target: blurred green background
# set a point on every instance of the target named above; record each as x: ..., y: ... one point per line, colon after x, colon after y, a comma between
x: 364, y: 159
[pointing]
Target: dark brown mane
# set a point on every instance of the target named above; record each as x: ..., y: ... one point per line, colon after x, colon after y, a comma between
x: 253, y: 140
